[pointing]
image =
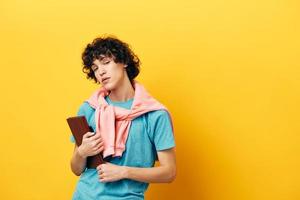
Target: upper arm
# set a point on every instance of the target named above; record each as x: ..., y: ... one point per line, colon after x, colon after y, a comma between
x: 167, y: 157
x: 161, y: 131
x: 75, y: 147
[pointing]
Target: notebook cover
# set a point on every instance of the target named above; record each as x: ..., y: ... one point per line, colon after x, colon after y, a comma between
x: 79, y: 127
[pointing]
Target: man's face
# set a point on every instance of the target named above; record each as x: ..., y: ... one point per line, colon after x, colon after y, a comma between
x: 108, y: 73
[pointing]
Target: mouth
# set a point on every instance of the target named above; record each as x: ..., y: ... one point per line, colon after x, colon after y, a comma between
x: 105, y: 80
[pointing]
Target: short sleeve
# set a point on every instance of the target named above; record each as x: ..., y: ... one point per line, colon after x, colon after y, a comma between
x: 83, y: 110
x: 72, y: 139
x: 161, y: 130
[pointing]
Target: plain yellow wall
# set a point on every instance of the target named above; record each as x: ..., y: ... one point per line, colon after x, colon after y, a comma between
x: 227, y: 70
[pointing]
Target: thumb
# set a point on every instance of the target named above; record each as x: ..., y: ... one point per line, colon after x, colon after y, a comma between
x: 88, y: 134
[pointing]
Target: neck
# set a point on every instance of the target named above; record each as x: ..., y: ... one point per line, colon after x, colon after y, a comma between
x: 122, y: 93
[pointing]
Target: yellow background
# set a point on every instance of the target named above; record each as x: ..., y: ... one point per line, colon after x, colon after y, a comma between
x: 227, y: 70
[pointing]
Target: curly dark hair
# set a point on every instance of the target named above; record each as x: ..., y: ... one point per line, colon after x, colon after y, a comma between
x: 114, y: 48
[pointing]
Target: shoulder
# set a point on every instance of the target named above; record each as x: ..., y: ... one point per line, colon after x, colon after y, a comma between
x: 158, y: 119
x: 85, y: 109
x: 158, y: 115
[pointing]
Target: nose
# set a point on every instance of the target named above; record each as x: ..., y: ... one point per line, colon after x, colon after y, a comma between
x: 101, y: 72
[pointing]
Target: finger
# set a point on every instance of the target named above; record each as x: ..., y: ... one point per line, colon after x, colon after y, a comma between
x: 96, y: 137
x: 98, y: 144
x: 100, y: 166
x: 95, y: 146
x: 102, y: 180
x: 101, y: 175
x: 99, y: 150
x: 98, y: 134
x: 88, y: 134
x: 95, y: 140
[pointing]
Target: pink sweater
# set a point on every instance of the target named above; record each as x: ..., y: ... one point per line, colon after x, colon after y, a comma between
x: 113, y: 122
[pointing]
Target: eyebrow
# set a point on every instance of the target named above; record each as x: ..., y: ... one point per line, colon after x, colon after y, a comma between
x: 101, y: 58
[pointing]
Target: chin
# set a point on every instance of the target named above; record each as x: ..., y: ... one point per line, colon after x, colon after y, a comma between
x: 108, y: 86
x: 112, y: 85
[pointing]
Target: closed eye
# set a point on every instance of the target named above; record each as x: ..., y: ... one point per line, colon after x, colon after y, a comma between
x: 95, y: 69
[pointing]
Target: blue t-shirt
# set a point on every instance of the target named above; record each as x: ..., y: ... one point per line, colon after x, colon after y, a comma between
x: 148, y: 133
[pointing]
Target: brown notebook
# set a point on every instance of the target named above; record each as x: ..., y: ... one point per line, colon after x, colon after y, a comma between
x: 79, y: 127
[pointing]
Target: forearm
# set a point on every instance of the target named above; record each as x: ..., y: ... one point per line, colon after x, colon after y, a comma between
x: 160, y: 174
x: 78, y: 163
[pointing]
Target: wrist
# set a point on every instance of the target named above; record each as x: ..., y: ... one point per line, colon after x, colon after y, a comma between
x: 80, y: 154
x: 126, y: 171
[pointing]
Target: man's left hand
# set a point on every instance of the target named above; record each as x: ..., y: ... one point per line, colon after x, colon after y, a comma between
x: 109, y: 172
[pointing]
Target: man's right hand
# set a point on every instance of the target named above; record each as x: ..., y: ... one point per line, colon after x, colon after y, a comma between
x: 91, y: 145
